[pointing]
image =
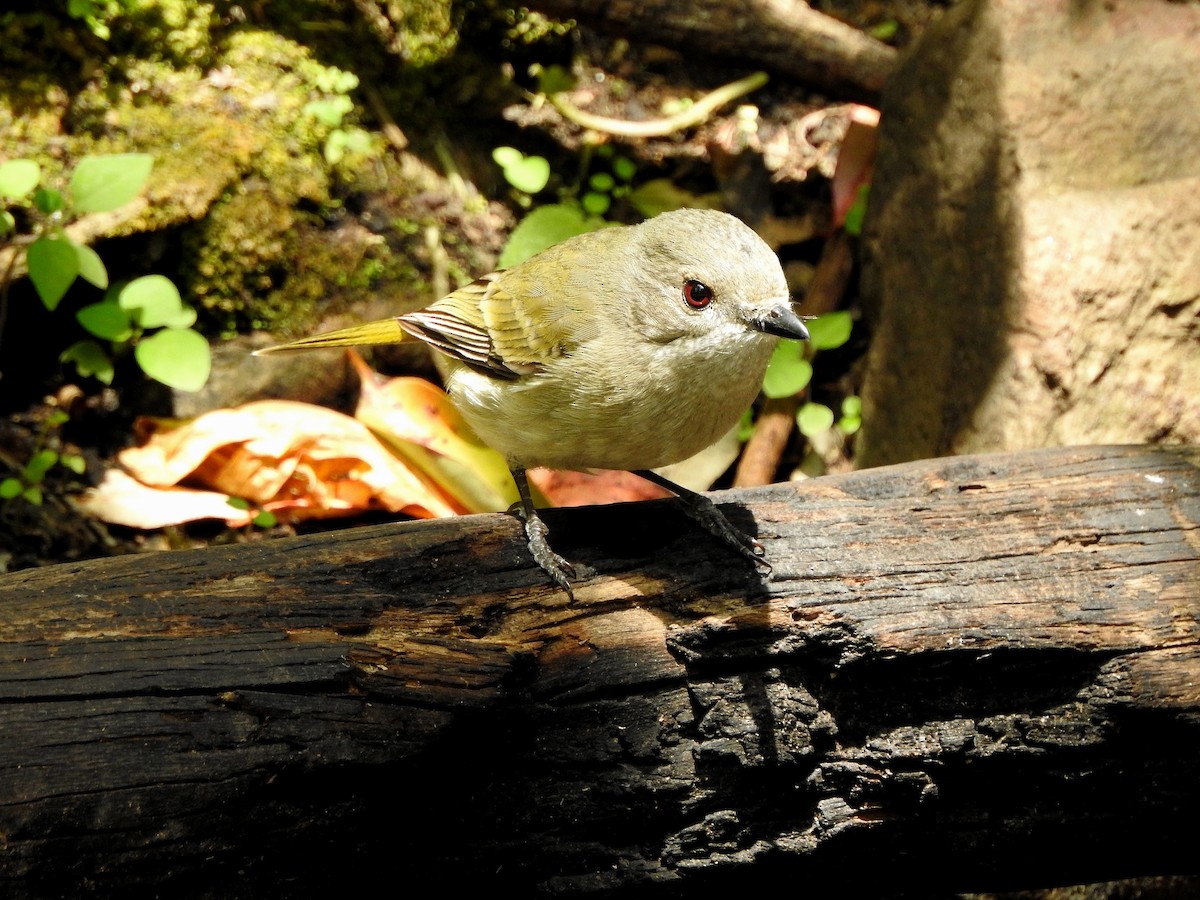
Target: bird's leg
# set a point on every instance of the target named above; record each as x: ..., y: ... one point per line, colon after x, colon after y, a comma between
x: 535, y: 534
x: 712, y: 520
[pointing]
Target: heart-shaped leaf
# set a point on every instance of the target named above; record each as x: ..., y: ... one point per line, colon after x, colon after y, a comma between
x: 106, y: 320
x: 152, y: 301
x: 178, y: 357
x: 90, y: 359
x: 53, y: 265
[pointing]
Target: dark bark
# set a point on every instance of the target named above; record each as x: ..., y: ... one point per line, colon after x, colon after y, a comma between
x: 966, y: 673
x: 783, y: 36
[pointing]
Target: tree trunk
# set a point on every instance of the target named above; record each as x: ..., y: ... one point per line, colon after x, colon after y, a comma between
x: 964, y: 673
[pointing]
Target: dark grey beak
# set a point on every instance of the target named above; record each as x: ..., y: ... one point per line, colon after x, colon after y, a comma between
x: 782, y: 322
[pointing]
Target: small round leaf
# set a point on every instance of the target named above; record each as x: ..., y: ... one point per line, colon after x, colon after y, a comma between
x: 530, y: 174
x: 152, y: 301
x: 178, y: 357
x: 18, y: 178
x: 814, y: 419
x: 789, y: 372
x: 830, y: 331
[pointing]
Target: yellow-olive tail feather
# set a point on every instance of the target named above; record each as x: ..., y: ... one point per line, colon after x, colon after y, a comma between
x: 385, y: 331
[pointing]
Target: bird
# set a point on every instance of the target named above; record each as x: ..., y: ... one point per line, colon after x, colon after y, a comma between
x: 631, y: 347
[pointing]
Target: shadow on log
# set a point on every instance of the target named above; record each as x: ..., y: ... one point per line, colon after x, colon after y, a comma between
x: 964, y: 674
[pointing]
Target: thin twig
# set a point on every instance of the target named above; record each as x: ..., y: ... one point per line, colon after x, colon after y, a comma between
x: 693, y: 115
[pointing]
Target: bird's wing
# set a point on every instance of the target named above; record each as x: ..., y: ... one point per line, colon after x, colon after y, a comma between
x: 500, y: 325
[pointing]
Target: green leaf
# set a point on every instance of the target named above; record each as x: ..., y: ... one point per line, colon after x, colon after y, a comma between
x: 851, y: 419
x: 39, y: 464
x: 830, y: 331
x: 596, y: 204
x: 7, y: 222
x: 106, y: 320
x: 746, y: 426
x: 48, y: 200
x: 330, y: 111
x: 335, y: 147
x: 33, y: 494
x: 238, y: 503
x: 853, y: 222
x: 507, y: 156
x: 185, y: 318
x: 152, y: 301
x: 265, y: 519
x: 885, y: 30
x: 74, y: 462
x: 602, y: 182
x: 527, y: 173
x: 103, y: 183
x: 336, y: 81
x: 788, y: 372
x: 624, y: 168
x: 80, y: 8
x: 814, y: 419
x: 178, y: 357
x: 9, y: 488
x: 544, y: 227
x: 53, y: 265
x: 18, y: 178
x: 661, y: 195
x: 90, y: 360
x: 91, y: 267
x: 555, y: 79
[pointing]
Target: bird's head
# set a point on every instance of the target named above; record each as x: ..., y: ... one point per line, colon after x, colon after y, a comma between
x: 707, y: 276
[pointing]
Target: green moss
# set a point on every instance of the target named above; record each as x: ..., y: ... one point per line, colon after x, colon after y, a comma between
x: 240, y: 179
x: 177, y: 32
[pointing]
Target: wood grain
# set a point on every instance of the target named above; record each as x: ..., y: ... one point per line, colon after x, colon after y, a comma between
x: 976, y: 672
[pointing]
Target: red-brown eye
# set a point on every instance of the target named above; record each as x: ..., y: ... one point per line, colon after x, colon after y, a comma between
x: 697, y: 294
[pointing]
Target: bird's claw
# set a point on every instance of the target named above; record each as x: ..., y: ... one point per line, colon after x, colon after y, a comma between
x: 550, y: 562
x: 709, y: 516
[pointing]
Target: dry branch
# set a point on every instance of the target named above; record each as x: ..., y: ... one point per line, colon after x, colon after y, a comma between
x: 973, y: 672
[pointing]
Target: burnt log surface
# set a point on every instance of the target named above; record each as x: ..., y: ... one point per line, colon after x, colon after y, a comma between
x: 963, y: 674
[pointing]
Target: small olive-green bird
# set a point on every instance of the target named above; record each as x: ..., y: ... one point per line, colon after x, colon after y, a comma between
x: 626, y: 348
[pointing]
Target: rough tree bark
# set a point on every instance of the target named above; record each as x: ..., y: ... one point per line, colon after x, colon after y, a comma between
x: 781, y: 35
x: 963, y: 673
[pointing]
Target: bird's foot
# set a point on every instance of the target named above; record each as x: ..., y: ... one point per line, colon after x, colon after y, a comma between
x: 707, y: 514
x: 550, y: 562
x: 709, y: 517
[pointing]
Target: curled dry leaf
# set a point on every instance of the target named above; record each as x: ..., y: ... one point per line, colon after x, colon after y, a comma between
x: 123, y: 500
x: 296, y: 460
x: 417, y: 421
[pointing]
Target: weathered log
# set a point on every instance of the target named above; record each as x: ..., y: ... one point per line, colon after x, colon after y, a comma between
x: 964, y: 673
x: 779, y: 35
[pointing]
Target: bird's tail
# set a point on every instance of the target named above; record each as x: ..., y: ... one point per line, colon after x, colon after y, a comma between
x: 385, y: 331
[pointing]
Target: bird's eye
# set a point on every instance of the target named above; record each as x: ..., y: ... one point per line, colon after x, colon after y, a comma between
x: 697, y: 294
